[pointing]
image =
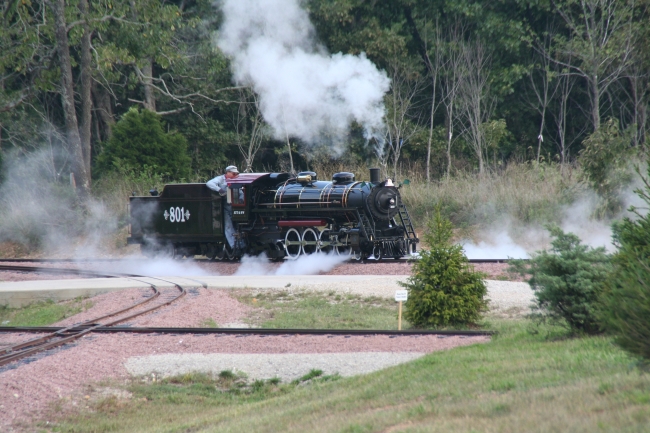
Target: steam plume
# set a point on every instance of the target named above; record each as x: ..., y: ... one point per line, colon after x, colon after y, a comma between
x: 304, y: 92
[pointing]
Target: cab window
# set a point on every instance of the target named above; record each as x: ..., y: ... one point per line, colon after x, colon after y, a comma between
x: 238, y: 196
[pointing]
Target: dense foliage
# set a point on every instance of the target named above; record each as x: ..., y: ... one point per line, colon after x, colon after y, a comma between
x: 550, y: 82
x: 568, y: 280
x: 139, y: 141
x: 604, y: 159
x: 626, y: 300
x: 443, y: 289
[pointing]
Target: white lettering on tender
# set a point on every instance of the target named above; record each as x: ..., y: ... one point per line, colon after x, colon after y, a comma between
x: 177, y: 214
x: 239, y: 212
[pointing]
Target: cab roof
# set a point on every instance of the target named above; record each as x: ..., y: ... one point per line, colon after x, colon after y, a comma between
x: 249, y: 178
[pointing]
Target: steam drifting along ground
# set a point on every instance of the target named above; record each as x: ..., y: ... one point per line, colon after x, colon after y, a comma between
x: 190, y: 268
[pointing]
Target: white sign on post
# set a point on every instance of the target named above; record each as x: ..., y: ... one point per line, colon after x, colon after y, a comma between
x: 401, y: 295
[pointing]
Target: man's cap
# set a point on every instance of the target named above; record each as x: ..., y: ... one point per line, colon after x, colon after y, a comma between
x: 232, y: 169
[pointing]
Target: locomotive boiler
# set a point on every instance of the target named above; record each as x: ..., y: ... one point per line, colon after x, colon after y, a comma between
x: 282, y: 215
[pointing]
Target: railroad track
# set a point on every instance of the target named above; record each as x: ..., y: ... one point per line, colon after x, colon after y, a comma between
x: 59, y: 336
x: 250, y: 331
x: 205, y: 260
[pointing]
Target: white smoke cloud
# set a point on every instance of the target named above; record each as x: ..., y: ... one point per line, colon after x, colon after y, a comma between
x: 498, y: 245
x: 511, y: 239
x: 311, y: 264
x: 577, y: 219
x: 154, y: 268
x: 304, y: 92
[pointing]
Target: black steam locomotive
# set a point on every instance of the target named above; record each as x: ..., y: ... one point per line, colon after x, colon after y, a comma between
x: 280, y: 214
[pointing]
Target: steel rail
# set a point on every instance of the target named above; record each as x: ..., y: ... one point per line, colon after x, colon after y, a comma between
x: 66, y: 260
x: 257, y: 331
x: 21, y: 350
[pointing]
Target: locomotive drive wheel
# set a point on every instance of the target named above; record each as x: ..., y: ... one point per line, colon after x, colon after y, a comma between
x: 324, y: 242
x: 345, y: 249
x: 309, y: 241
x: 293, y: 244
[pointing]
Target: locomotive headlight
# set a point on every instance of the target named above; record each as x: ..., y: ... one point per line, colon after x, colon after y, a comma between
x: 391, y: 203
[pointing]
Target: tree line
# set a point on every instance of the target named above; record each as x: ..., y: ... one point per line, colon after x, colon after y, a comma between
x: 474, y: 83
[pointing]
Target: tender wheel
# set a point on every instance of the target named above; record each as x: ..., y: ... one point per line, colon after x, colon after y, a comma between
x: 167, y: 251
x: 309, y: 241
x: 292, y: 244
x: 148, y: 251
x: 221, y: 252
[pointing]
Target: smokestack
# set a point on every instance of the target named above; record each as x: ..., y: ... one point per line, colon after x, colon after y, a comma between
x: 374, y: 175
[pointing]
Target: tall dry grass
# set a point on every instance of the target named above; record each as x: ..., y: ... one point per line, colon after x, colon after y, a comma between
x: 525, y: 193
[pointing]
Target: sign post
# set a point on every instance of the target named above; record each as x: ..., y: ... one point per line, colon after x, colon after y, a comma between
x: 400, y: 296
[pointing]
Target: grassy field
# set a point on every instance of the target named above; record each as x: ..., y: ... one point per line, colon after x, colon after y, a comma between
x: 42, y: 313
x: 521, y: 381
x: 298, y: 309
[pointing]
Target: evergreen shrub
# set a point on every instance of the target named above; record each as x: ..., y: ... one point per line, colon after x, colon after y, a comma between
x: 567, y: 280
x: 626, y: 299
x: 139, y: 140
x: 443, y: 289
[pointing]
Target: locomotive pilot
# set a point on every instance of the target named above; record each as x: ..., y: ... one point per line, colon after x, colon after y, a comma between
x: 219, y: 185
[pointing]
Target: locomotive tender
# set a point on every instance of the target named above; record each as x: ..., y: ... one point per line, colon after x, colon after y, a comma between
x: 282, y: 215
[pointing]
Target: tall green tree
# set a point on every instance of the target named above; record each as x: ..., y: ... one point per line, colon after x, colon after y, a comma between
x: 139, y: 140
x: 599, y: 46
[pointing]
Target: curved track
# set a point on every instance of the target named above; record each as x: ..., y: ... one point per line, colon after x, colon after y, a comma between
x: 59, y: 336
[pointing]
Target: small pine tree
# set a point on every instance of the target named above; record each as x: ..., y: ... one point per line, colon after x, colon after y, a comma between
x: 139, y: 141
x: 443, y: 289
x: 626, y: 299
x: 567, y: 280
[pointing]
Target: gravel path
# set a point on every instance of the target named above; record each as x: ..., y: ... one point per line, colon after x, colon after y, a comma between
x: 286, y: 367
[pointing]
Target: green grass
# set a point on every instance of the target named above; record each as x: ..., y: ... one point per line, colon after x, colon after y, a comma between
x: 519, y: 382
x: 209, y: 323
x: 302, y: 309
x: 42, y: 313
